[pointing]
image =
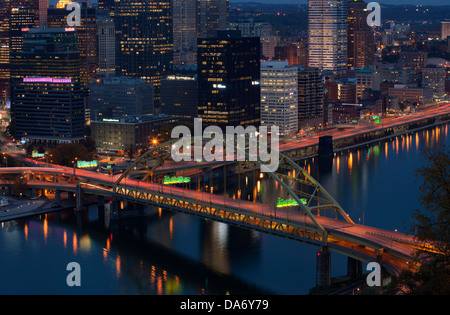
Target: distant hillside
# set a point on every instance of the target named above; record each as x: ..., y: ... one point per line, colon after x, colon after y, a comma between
x: 295, y: 18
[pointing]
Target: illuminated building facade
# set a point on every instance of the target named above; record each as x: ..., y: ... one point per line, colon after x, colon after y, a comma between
x: 184, y: 25
x: 144, y: 40
x: 228, y: 79
x: 106, y: 37
x: 327, y: 35
x: 6, y: 7
x: 21, y: 20
x: 310, y: 97
x: 279, y: 96
x: 47, y: 97
x: 4, y: 49
x: 87, y: 37
x: 360, y: 36
x: 445, y: 29
x: 213, y: 15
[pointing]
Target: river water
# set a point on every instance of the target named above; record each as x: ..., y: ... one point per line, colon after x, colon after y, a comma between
x: 173, y: 253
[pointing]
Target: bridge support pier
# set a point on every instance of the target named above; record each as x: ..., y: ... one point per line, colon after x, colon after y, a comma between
x: 33, y: 192
x: 114, y: 209
x: 79, y: 195
x: 354, y: 268
x: 57, y: 195
x: 323, y: 267
x: 100, y: 201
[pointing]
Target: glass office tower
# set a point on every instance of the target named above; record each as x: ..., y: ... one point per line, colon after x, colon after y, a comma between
x: 327, y: 35
x: 144, y: 40
x: 228, y: 79
x: 47, y: 99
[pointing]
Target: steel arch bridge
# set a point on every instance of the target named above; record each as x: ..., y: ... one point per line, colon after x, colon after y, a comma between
x: 310, y: 198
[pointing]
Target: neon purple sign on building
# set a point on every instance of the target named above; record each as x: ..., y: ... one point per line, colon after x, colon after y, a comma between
x: 46, y: 80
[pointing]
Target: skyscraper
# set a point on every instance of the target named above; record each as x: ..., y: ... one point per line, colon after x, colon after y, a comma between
x: 106, y: 39
x: 5, y: 13
x: 43, y: 7
x: 327, y: 35
x: 310, y: 97
x: 144, y: 40
x: 184, y: 24
x: 21, y: 20
x: 213, y: 15
x: 279, y: 96
x: 47, y: 103
x: 5, y: 8
x: 228, y: 79
x: 361, y: 41
x: 87, y: 37
x: 445, y: 29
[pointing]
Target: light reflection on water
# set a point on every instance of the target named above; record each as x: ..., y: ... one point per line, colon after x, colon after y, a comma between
x: 179, y: 254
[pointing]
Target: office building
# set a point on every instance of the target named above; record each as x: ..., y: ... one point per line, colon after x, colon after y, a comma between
x: 107, y: 5
x: 268, y: 44
x: 146, y: 51
x: 137, y: 131
x: 287, y: 52
x: 434, y: 78
x: 366, y: 79
x: 409, y: 96
x: 360, y: 36
x: 213, y: 15
x: 394, y: 73
x: 310, y: 97
x: 414, y: 59
x: 445, y: 29
x: 179, y: 97
x: 21, y: 20
x: 343, y: 92
x: 228, y: 79
x: 327, y: 35
x: 87, y: 37
x: 43, y: 7
x: 279, y: 97
x: 6, y: 7
x: 106, y: 38
x: 184, y: 25
x: 47, y: 99
x: 115, y: 97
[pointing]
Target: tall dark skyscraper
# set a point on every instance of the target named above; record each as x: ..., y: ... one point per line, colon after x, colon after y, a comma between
x: 144, y: 40
x: 213, y: 15
x: 184, y: 24
x: 361, y: 41
x: 4, y: 48
x: 310, y: 97
x: 87, y: 38
x: 21, y: 20
x: 47, y: 104
x: 228, y: 79
x: 5, y: 14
